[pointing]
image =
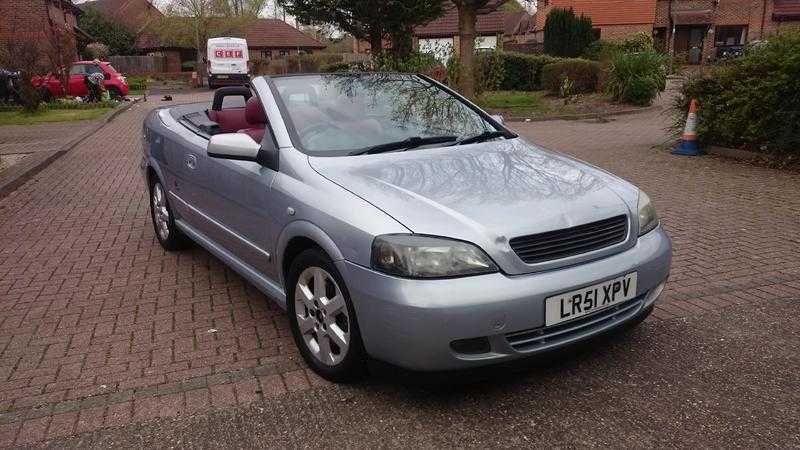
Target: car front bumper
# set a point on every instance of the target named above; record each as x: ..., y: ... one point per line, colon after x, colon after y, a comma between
x: 412, y: 323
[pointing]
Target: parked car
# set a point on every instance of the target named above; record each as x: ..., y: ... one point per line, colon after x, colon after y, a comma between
x: 115, y: 83
x: 394, y: 219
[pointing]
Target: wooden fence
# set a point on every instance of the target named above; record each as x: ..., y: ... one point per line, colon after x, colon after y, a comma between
x: 139, y: 65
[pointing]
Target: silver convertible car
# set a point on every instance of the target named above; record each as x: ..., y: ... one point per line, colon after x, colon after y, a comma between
x: 395, y: 220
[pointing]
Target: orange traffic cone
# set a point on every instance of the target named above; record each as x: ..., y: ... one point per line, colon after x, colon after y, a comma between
x: 689, y: 145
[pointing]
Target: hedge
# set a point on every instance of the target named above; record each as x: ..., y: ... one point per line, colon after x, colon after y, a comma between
x: 521, y: 72
x: 750, y: 102
x: 584, y: 76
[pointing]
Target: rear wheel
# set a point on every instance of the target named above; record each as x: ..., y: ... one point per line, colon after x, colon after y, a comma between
x: 167, y: 233
x: 322, y: 318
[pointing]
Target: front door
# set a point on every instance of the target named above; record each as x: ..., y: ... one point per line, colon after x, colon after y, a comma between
x: 689, y: 42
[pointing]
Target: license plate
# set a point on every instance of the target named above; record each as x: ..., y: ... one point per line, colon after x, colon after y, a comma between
x: 222, y: 77
x: 574, y: 304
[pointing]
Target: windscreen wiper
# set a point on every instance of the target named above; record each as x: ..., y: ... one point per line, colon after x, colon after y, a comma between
x: 485, y: 136
x: 405, y: 144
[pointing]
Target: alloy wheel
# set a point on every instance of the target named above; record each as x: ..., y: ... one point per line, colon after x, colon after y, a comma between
x: 160, y: 212
x: 322, y: 316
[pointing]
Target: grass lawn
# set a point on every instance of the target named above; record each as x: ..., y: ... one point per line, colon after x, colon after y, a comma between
x: 538, y: 104
x: 516, y: 103
x: 50, y: 115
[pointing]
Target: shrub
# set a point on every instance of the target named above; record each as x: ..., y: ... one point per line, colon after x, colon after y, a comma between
x: 137, y: 83
x: 750, y: 102
x: 603, y: 51
x: 637, y: 78
x: 566, y: 34
x: 582, y: 75
x: 97, y: 50
x: 519, y: 72
x: 638, y: 42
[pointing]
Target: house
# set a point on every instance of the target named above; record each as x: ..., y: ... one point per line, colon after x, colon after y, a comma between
x: 440, y: 36
x: 39, y: 20
x: 266, y: 38
x: 273, y: 38
x: 612, y: 19
x: 698, y: 30
x: 705, y: 29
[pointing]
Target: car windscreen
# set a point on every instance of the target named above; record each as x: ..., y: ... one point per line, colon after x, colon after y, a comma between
x: 340, y: 114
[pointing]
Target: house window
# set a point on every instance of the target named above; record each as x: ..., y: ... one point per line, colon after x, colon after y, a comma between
x: 730, y: 36
x: 596, y: 32
x: 266, y: 54
x: 284, y: 53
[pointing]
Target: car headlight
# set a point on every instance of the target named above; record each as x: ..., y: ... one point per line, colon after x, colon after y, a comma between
x: 414, y: 256
x: 648, y: 219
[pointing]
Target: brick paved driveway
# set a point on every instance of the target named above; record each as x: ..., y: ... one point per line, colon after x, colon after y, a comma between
x: 99, y: 327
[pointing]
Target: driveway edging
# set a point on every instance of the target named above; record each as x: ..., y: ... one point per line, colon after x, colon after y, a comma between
x: 16, y: 175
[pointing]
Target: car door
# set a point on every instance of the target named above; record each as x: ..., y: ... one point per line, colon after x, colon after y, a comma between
x: 77, y: 85
x: 237, y: 195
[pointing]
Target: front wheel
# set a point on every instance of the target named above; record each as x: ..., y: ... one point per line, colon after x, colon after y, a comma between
x: 322, y: 318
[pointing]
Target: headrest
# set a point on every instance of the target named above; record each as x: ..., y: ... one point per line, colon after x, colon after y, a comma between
x: 253, y: 112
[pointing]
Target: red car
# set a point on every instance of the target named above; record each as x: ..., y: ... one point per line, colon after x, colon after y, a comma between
x: 114, y: 81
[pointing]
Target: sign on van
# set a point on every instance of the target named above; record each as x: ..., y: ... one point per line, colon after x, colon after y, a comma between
x: 228, y: 53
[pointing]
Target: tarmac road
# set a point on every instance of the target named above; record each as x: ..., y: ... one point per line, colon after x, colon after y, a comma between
x: 724, y: 379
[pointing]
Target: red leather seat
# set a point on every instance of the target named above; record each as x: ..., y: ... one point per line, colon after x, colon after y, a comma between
x: 256, y: 119
x: 230, y: 120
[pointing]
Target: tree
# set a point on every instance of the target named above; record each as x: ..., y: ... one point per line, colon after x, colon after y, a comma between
x: 566, y: 34
x: 190, y: 23
x: 117, y: 38
x: 468, y: 11
x: 369, y: 20
x: 404, y: 16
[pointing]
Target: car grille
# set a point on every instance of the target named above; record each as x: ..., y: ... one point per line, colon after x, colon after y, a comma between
x: 545, y: 337
x: 558, y: 244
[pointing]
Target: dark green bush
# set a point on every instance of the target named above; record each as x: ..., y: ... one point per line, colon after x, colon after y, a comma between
x: 637, y: 78
x: 566, y: 34
x: 520, y: 72
x: 604, y: 51
x: 583, y: 76
x: 750, y: 102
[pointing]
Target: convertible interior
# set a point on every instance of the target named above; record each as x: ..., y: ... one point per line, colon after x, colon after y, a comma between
x: 249, y: 119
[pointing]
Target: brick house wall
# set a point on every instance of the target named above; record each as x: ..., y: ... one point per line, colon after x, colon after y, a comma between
x: 755, y: 17
x: 33, y: 20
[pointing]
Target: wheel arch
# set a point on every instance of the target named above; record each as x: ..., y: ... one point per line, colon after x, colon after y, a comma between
x: 299, y: 236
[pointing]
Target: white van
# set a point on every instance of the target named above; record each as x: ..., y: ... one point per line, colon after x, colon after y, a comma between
x: 227, y: 61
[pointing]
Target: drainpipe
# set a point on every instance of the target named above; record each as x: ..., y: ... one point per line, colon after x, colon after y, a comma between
x: 763, y: 20
x: 670, y: 31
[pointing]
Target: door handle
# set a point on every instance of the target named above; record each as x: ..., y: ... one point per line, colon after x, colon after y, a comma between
x: 191, y: 162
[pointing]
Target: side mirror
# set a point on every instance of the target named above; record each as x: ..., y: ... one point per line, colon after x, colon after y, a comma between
x: 238, y: 146
x: 498, y: 118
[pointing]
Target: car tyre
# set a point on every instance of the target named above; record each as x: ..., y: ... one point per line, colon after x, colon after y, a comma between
x: 115, y: 94
x: 322, y: 318
x: 168, y: 234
